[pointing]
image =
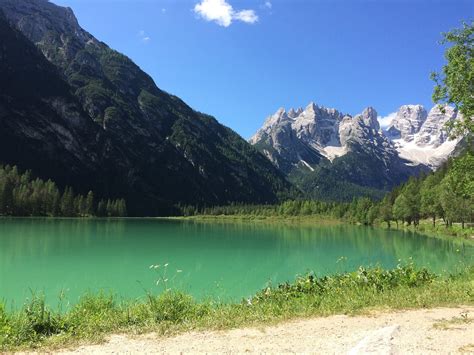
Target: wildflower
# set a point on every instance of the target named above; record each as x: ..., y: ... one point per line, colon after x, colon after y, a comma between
x: 166, y: 265
x: 249, y: 301
x: 179, y: 270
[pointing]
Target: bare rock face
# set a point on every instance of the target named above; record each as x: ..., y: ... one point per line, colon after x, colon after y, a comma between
x: 363, y: 129
x: 433, y: 131
x: 54, y: 29
x: 317, y: 126
x: 279, y: 118
x: 414, y: 136
x: 407, y: 122
x: 280, y: 143
x: 428, y: 143
x: 328, y: 133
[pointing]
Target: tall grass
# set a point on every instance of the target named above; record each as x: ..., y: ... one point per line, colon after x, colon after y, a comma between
x: 94, y: 316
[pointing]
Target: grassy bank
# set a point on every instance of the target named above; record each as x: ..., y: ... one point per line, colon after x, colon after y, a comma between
x: 95, y: 316
x: 454, y: 231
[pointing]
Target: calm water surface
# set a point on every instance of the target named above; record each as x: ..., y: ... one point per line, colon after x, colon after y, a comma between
x: 226, y: 260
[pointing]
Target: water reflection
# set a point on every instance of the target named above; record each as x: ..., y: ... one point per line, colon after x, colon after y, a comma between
x: 228, y: 260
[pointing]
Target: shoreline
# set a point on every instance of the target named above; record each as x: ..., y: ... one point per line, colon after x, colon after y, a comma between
x: 425, y: 228
x: 360, y: 292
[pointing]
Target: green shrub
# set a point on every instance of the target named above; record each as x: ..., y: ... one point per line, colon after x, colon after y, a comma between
x: 5, y: 328
x: 175, y: 307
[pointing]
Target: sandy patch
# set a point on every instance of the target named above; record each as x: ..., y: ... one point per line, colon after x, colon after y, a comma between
x: 427, y: 331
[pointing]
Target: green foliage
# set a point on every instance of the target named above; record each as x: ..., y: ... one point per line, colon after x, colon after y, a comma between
x: 456, y: 83
x: 95, y: 316
x: 39, y: 321
x: 21, y: 195
x: 173, y: 306
x: 357, y: 211
x: 376, y: 279
x: 447, y: 193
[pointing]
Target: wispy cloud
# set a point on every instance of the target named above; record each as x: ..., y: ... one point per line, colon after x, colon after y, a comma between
x: 221, y: 12
x: 144, y: 38
x: 247, y: 16
x: 268, y: 5
x: 386, y: 120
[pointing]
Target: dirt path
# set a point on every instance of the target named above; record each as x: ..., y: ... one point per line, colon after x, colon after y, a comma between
x: 440, y: 330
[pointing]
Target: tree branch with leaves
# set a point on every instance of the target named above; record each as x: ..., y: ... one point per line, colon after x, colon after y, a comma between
x: 455, y: 84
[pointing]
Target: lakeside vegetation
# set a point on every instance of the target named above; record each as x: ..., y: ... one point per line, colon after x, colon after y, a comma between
x: 447, y: 194
x: 23, y: 195
x: 170, y: 311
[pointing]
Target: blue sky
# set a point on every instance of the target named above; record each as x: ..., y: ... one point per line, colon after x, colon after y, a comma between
x: 241, y: 60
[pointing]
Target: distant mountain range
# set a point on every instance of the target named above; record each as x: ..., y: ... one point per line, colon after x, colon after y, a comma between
x: 333, y: 155
x: 420, y: 137
x: 78, y: 112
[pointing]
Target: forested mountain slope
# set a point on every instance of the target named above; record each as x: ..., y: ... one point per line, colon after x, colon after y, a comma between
x: 87, y: 116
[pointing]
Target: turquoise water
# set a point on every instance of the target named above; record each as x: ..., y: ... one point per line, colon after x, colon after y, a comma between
x: 225, y: 260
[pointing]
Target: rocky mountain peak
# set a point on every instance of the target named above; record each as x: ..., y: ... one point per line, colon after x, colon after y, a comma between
x: 292, y: 113
x: 279, y: 118
x: 369, y: 117
x: 418, y: 137
x: 54, y: 29
x: 312, y: 107
x: 433, y: 131
x: 407, y: 122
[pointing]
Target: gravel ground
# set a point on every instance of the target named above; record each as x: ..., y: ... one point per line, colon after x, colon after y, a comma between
x: 424, y: 331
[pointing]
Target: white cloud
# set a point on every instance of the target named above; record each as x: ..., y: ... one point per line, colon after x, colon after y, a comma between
x: 268, y: 4
x: 163, y: 10
x: 143, y: 36
x: 386, y: 120
x: 247, y: 16
x: 221, y: 12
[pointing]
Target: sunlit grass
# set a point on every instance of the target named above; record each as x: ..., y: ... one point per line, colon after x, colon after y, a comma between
x: 171, y: 311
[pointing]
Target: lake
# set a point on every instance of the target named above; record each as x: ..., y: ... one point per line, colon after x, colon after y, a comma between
x: 221, y: 260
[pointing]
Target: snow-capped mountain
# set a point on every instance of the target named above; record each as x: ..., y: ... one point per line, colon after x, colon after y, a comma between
x: 318, y: 132
x: 355, y: 149
x: 421, y: 137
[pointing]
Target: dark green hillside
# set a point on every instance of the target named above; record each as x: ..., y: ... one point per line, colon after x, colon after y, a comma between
x: 119, y: 134
x: 39, y: 116
x: 355, y: 174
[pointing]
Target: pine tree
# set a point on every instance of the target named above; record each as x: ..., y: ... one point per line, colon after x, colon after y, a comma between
x: 67, y: 203
x: 90, y: 204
